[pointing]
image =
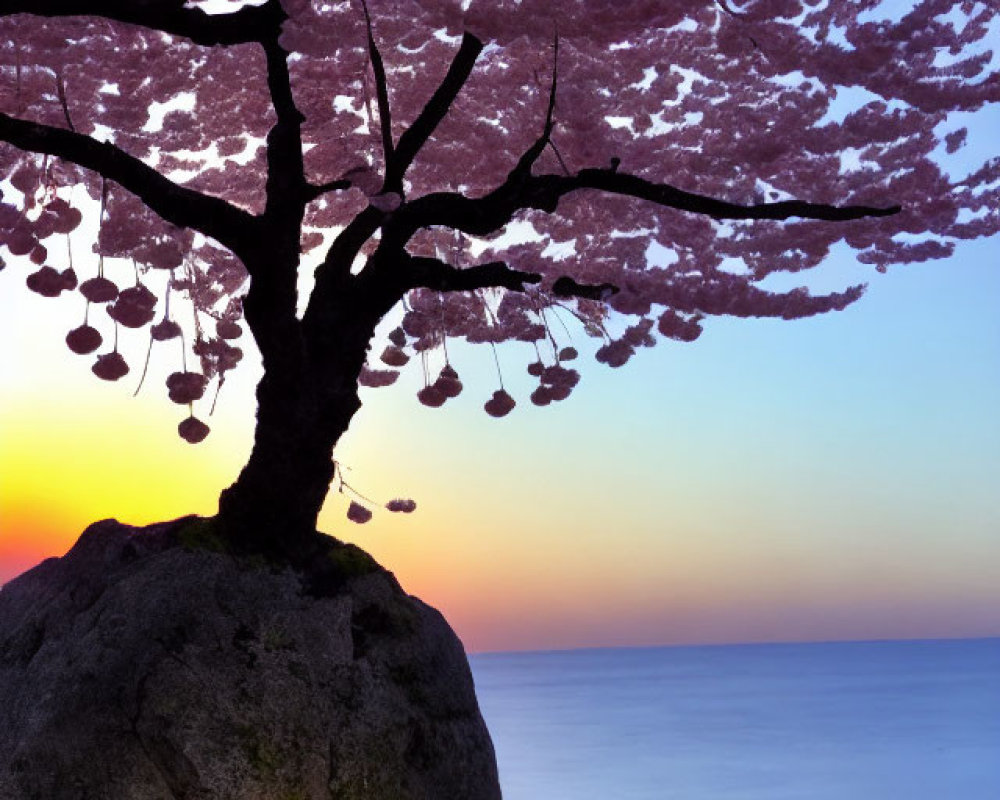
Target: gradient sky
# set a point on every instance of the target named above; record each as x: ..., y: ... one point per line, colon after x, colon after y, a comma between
x: 820, y: 479
x: 828, y: 478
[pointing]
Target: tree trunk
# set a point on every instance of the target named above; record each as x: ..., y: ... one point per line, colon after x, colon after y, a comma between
x: 305, y: 403
x: 273, y: 506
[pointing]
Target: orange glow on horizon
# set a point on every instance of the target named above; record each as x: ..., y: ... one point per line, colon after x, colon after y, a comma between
x: 66, y: 465
x: 32, y: 533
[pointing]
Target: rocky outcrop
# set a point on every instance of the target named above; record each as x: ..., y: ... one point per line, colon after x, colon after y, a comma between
x: 151, y: 664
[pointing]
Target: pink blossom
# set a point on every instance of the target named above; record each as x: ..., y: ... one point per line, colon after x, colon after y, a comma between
x: 500, y: 404
x: 448, y: 383
x: 110, y: 366
x: 83, y: 340
x: 402, y: 506
x: 99, y: 290
x: 186, y: 387
x: 164, y: 330
x: 375, y: 378
x: 227, y: 329
x: 358, y: 513
x: 753, y: 128
x: 432, y: 396
x: 46, y: 282
x: 133, y: 307
x: 542, y: 396
x: 193, y: 430
x: 394, y: 356
x: 615, y: 353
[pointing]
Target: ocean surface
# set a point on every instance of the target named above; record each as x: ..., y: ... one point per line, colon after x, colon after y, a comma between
x: 915, y: 720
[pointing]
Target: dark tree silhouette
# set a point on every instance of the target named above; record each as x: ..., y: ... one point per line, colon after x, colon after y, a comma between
x: 625, y: 166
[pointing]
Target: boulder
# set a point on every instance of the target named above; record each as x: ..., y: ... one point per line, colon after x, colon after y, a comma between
x: 153, y: 664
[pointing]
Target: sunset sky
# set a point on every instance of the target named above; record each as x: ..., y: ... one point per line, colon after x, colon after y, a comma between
x: 829, y: 478
x: 821, y: 479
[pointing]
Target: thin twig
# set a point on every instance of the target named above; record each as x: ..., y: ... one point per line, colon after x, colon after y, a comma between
x: 552, y: 88
x: 496, y: 360
x: 526, y: 161
x: 559, y: 319
x: 381, y: 88
x: 345, y: 485
x: 494, y: 322
x: 149, y: 352
x: 555, y: 150
x: 100, y: 226
x: 540, y: 310
x: 61, y: 92
x: 215, y: 399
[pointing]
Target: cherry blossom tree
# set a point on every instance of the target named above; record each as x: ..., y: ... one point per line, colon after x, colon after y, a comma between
x: 486, y: 171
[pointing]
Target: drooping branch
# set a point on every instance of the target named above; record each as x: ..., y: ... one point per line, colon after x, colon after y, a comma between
x: 381, y: 89
x: 186, y: 208
x: 248, y: 24
x: 416, y: 136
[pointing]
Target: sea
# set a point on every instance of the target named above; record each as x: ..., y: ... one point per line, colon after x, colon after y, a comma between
x: 899, y: 720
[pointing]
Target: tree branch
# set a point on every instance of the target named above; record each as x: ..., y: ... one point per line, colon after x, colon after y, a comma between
x: 549, y: 188
x: 526, y: 161
x: 286, y: 180
x: 416, y: 136
x: 381, y: 89
x: 348, y: 243
x: 431, y: 273
x: 61, y: 94
x: 567, y: 287
x: 249, y: 24
x: 488, y: 214
x: 186, y: 208
x: 337, y: 263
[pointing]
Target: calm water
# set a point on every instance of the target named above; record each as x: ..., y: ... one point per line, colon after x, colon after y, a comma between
x: 844, y: 721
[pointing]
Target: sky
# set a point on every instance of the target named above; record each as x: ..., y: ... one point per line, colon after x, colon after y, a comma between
x: 829, y: 478
x: 820, y: 479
